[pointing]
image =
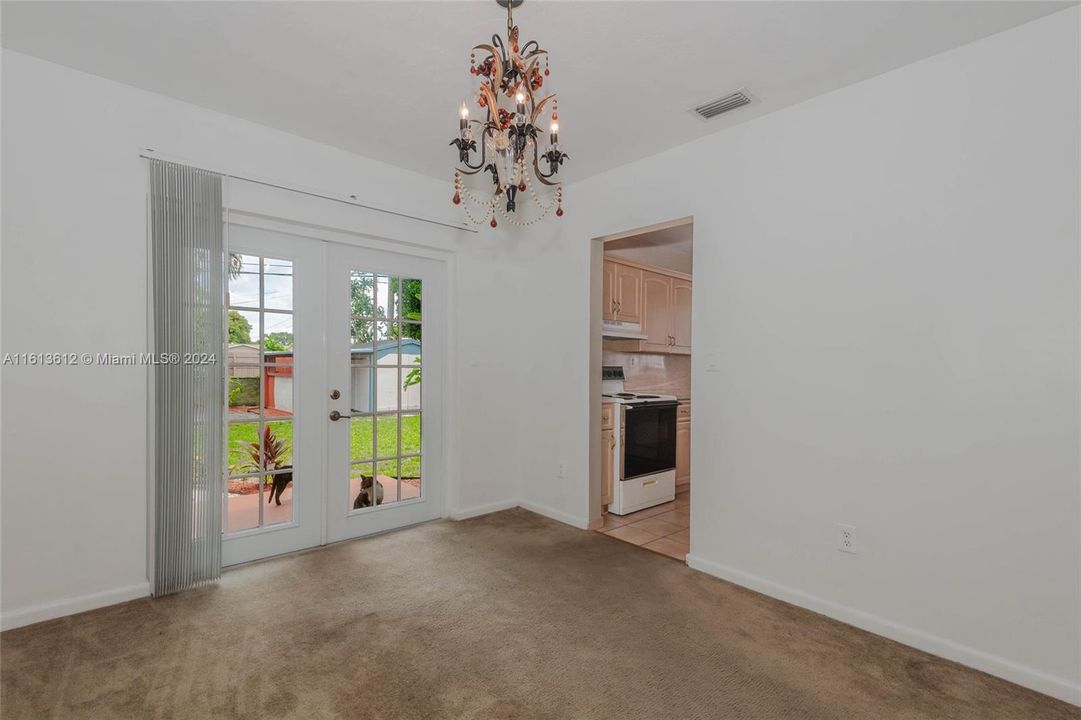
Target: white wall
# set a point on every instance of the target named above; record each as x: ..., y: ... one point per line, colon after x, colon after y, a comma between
x: 74, y: 258
x: 886, y: 334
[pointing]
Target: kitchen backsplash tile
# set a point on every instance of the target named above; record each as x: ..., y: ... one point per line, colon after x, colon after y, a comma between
x: 663, y: 374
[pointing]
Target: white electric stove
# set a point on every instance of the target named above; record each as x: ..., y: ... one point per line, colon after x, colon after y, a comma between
x: 644, y: 456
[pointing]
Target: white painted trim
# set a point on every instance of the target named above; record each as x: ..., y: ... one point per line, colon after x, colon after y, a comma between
x: 566, y: 518
x: 50, y: 611
x: 551, y: 513
x: 478, y: 510
x: 1056, y: 687
x: 151, y: 153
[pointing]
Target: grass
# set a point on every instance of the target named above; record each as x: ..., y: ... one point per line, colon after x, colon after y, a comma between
x: 361, y: 444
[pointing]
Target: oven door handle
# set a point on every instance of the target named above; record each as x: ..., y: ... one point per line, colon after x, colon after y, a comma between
x: 664, y: 404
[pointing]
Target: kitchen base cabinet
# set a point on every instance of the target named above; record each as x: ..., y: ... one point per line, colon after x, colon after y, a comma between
x: 683, y: 443
x: 608, y: 446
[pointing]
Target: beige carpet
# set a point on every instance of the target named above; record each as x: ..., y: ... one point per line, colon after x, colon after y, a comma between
x: 505, y: 616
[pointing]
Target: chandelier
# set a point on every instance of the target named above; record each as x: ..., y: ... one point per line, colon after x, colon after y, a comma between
x: 509, y: 137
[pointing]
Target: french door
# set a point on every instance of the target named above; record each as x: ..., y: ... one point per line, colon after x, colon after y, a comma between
x: 333, y: 412
x: 384, y: 449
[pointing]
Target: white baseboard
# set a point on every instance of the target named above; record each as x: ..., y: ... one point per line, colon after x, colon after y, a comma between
x: 1031, y: 678
x: 477, y: 510
x: 50, y: 611
x: 565, y: 518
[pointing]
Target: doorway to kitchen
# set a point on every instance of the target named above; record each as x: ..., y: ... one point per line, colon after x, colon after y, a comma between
x: 333, y: 413
x: 645, y: 284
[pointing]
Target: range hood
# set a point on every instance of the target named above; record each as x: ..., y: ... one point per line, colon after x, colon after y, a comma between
x: 615, y: 330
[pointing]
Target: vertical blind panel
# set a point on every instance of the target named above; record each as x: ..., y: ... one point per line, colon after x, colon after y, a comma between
x: 188, y: 292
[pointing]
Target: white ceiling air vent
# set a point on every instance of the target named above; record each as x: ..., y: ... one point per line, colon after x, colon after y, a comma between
x: 722, y: 105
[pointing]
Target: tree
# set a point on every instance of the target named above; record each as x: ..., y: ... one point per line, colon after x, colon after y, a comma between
x: 362, y: 296
x: 280, y: 340
x: 361, y: 291
x: 411, y: 307
x: 407, y: 291
x: 239, y: 328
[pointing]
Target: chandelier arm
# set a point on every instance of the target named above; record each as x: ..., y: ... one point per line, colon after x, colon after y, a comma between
x: 497, y: 42
x: 540, y: 175
x: 540, y: 106
x: 471, y: 169
x: 474, y: 169
x: 491, y: 102
x: 498, y: 60
x: 529, y: 89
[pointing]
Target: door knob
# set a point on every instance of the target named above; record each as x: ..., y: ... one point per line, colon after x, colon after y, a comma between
x: 336, y: 416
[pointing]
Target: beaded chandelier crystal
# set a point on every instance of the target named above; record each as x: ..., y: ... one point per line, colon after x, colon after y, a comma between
x: 509, y: 138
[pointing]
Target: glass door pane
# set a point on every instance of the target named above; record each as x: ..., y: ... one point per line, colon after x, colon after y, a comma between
x: 384, y: 371
x: 380, y: 462
x: 259, y: 458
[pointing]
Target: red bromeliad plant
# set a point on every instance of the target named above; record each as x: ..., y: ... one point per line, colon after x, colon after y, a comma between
x: 273, y: 453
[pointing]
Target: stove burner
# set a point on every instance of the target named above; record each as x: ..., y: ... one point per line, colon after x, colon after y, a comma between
x: 626, y: 395
x: 647, y: 397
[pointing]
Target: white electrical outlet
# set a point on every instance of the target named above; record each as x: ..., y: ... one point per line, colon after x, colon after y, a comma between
x: 846, y: 539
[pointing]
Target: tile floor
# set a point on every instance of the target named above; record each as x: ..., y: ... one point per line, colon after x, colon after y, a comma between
x: 664, y: 529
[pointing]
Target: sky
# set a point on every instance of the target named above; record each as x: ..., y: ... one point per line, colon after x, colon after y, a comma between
x: 277, y: 294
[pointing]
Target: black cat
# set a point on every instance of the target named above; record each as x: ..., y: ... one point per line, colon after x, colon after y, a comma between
x: 364, y: 497
x: 279, y: 482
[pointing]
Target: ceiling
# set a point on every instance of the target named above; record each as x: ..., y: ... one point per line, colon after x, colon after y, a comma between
x: 384, y: 79
x: 669, y: 247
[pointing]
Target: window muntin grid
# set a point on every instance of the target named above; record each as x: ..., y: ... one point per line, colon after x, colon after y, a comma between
x: 385, y: 384
x: 259, y: 319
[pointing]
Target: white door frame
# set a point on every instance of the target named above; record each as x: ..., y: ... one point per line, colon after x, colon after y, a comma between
x: 252, y: 212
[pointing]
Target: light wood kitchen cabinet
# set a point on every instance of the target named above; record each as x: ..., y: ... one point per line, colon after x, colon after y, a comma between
x: 656, y: 301
x: 622, y: 292
x: 608, y: 445
x: 681, y: 315
x: 683, y: 448
x: 659, y: 300
x: 628, y: 293
x: 608, y: 415
x: 609, y: 292
x: 666, y: 313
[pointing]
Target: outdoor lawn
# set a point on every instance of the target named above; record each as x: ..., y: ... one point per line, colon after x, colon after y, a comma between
x: 241, y: 435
